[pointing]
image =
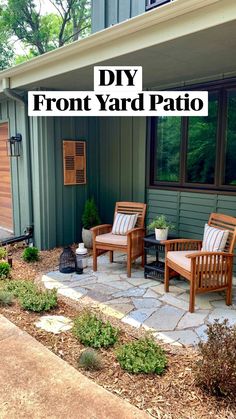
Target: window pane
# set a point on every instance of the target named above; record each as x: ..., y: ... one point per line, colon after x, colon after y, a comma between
x: 230, y: 159
x: 201, y: 151
x: 168, y: 149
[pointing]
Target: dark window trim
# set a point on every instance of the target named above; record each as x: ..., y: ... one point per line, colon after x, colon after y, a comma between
x: 221, y: 86
x: 150, y: 4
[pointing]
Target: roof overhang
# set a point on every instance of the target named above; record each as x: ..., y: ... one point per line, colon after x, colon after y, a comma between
x: 179, y: 41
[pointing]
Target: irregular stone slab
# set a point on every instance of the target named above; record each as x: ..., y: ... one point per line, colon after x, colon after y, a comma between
x: 54, y: 324
x: 109, y: 311
x: 73, y: 294
x: 221, y: 314
x: 180, y: 283
x: 137, y: 317
x: 134, y: 275
x: 150, y: 294
x: 97, y: 296
x: 148, y: 284
x: 84, y: 281
x: 120, y: 285
x: 136, y: 281
x: 170, y: 299
x: 52, y: 284
x: 201, y: 332
x: 150, y: 303
x: 58, y: 276
x: 121, y: 300
x: 122, y: 308
x: 102, y: 289
x: 192, y: 319
x: 220, y: 304
x: 132, y: 292
x: 159, y: 289
x: 202, y: 301
x: 164, y: 338
x: 165, y: 318
x: 185, y: 337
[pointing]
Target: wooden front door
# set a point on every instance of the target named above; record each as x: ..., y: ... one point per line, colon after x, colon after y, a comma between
x: 5, y: 181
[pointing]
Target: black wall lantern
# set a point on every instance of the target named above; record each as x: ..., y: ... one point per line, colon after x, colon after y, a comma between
x: 13, y: 145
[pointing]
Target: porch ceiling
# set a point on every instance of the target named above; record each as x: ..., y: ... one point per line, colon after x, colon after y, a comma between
x: 202, y: 54
x: 183, y: 41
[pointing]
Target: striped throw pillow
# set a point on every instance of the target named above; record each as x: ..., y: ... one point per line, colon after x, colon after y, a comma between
x: 214, y: 239
x: 123, y: 223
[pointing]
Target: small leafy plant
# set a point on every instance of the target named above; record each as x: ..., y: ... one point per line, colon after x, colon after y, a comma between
x: 31, y: 254
x: 18, y: 288
x: 6, y: 298
x: 142, y: 356
x: 90, y: 217
x: 92, y: 331
x: 3, y: 253
x: 4, y: 270
x: 38, y: 300
x: 160, y: 222
x: 90, y: 360
x: 216, y: 370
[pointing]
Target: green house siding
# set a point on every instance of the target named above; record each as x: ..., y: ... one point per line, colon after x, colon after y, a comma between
x: 106, y: 13
x: 122, y: 149
x: 188, y: 211
x: 16, y: 116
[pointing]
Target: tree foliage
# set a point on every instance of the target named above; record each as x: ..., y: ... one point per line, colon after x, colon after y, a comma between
x: 40, y: 32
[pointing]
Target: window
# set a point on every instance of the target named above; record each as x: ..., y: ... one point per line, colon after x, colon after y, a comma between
x: 197, y: 152
x: 154, y: 3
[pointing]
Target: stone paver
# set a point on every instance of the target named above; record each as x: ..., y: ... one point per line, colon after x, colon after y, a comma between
x: 165, y: 318
x: 37, y: 384
x: 141, y: 301
x: 54, y: 324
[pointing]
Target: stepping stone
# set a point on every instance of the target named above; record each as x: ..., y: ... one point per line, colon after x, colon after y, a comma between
x: 165, y: 318
x: 54, y: 324
x: 192, y: 319
x: 150, y: 303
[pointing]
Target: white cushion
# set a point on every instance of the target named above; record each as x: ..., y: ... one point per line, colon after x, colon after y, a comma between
x: 214, y: 239
x: 110, y: 238
x: 123, y: 223
x: 179, y: 257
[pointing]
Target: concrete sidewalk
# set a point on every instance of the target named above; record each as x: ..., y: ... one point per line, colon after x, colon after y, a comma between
x: 35, y: 383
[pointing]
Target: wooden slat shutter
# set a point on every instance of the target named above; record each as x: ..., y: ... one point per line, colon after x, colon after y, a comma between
x: 74, y: 157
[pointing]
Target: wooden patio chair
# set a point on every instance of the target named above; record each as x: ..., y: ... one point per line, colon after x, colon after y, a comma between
x: 206, y: 271
x: 131, y: 243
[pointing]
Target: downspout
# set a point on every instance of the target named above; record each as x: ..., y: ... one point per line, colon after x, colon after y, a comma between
x: 10, y: 93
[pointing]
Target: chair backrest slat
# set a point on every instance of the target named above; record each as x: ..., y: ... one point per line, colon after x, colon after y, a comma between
x: 225, y: 222
x: 132, y: 208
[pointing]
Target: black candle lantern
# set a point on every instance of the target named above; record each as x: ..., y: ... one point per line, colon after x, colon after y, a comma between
x: 67, y: 261
x: 13, y: 145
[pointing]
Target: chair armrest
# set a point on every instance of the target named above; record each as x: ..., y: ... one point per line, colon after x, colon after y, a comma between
x: 101, y: 229
x: 138, y: 231
x: 182, y: 244
x: 202, y: 254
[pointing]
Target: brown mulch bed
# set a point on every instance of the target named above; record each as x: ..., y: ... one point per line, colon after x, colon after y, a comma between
x: 173, y: 395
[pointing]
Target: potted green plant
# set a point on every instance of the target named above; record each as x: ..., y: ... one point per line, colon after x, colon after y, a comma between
x: 90, y: 218
x: 161, y: 226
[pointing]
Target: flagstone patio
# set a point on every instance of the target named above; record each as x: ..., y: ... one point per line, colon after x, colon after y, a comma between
x: 140, y: 301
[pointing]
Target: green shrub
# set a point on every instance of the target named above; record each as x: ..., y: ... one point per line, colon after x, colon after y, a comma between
x: 3, y: 253
x: 142, y: 356
x: 36, y: 300
x: 4, y: 270
x: 90, y: 360
x: 18, y: 287
x: 6, y: 298
x: 92, y: 331
x: 90, y: 217
x: 31, y: 254
x: 216, y: 370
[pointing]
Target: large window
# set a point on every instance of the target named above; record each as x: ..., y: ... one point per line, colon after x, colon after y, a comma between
x: 197, y: 152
